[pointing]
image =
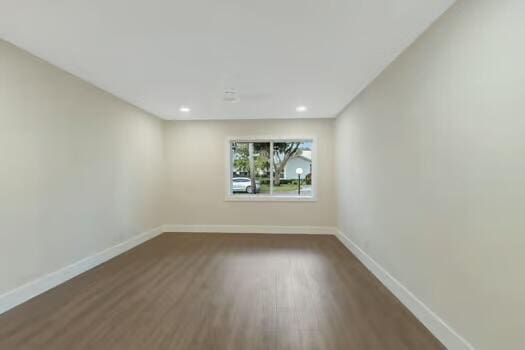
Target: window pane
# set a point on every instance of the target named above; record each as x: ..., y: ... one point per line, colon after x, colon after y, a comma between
x: 251, y: 168
x: 292, y: 168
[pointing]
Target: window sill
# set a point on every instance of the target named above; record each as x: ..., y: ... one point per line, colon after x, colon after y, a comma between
x: 259, y: 198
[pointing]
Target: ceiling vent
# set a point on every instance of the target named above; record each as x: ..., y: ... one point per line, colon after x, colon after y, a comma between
x: 231, y: 96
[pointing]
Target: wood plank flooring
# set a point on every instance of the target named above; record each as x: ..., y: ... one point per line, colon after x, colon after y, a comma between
x: 220, y: 291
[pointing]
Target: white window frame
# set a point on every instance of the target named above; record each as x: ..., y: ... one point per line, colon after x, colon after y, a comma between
x: 265, y: 197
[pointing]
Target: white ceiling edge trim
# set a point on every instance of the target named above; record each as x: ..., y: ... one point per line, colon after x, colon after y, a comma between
x: 392, y: 61
x: 251, y: 118
x: 353, y: 96
x: 152, y: 114
x: 83, y: 80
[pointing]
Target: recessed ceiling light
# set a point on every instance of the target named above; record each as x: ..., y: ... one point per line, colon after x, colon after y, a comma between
x: 301, y: 109
x: 184, y: 109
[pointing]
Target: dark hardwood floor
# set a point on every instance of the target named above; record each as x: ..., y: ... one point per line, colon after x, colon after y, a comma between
x: 220, y: 291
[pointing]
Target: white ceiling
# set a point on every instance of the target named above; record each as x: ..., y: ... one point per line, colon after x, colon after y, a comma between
x: 278, y: 54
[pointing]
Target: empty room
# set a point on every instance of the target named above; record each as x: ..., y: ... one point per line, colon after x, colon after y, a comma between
x: 262, y: 175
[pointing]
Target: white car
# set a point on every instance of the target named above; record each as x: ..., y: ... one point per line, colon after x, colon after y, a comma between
x: 244, y: 184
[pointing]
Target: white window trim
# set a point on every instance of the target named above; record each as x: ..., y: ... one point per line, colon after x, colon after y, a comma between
x: 229, y: 196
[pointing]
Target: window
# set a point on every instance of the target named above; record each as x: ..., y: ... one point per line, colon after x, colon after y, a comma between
x: 271, y: 169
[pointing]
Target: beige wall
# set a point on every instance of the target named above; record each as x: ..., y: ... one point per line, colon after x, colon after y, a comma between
x: 431, y: 169
x: 83, y: 171
x: 197, y: 161
x: 80, y: 170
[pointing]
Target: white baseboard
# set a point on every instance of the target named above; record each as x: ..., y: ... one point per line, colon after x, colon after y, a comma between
x: 451, y: 339
x: 442, y: 331
x: 42, y: 284
x: 312, y: 230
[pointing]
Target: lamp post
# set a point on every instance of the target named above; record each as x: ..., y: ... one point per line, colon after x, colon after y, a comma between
x: 299, y: 172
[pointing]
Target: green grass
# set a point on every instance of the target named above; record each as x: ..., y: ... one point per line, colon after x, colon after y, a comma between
x: 265, y: 188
